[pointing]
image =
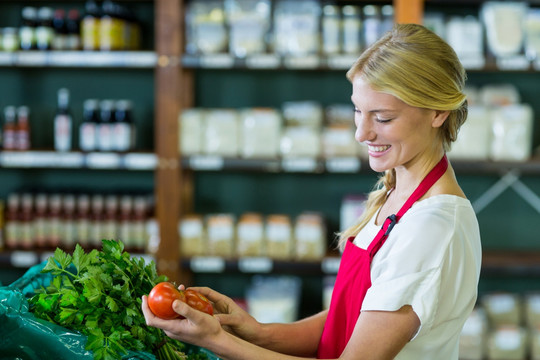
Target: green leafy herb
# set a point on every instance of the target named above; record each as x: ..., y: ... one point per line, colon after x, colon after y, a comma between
x: 99, y: 294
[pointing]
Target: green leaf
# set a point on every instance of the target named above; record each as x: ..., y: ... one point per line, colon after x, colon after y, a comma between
x: 69, y: 297
x: 63, y: 258
x: 111, y: 304
x: 65, y: 316
x: 50, y: 266
x: 80, y: 259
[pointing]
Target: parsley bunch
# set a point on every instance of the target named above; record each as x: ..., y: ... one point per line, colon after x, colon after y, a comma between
x: 99, y: 294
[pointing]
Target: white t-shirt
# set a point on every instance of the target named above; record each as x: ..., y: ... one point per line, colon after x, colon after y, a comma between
x: 431, y: 261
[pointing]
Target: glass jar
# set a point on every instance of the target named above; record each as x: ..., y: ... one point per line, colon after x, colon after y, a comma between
x: 10, y: 39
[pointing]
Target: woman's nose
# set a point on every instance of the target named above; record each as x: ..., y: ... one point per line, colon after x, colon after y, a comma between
x: 364, y: 131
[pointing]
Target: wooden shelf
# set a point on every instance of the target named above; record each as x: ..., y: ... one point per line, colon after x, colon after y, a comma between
x: 79, y: 59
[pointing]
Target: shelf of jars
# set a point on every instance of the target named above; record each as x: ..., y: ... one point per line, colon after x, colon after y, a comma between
x: 115, y: 59
x: 520, y: 63
x: 78, y: 160
x: 496, y: 263
x: 343, y: 165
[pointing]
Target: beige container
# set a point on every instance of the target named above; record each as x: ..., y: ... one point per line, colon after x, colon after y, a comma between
x: 507, y: 343
x: 310, y: 237
x: 221, y: 235
x: 192, y: 236
x: 503, y: 309
x: 279, y: 238
x: 250, y: 235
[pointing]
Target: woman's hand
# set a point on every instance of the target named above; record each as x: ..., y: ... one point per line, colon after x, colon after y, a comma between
x: 232, y: 317
x: 197, y: 328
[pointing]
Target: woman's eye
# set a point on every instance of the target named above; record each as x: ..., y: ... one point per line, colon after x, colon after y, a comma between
x: 383, y: 120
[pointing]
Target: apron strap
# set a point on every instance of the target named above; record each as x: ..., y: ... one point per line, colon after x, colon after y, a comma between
x: 430, y: 179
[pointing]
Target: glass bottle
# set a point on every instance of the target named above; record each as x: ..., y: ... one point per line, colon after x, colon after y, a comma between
x: 63, y: 122
x: 105, y: 136
x: 331, y: 29
x: 9, y: 128
x: 124, y: 130
x: 111, y: 30
x: 27, y: 215
x: 13, y: 221
x: 352, y: 29
x: 90, y: 26
x: 73, y: 41
x: 68, y: 236
x: 41, y: 220
x: 59, y: 41
x: 83, y: 223
x: 88, y: 127
x: 27, y: 31
x: 45, y: 31
x: 22, y: 132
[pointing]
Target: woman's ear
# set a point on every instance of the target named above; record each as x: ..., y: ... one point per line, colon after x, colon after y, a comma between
x: 439, y: 118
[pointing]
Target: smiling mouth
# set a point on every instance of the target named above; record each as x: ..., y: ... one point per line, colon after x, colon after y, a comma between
x: 378, y: 148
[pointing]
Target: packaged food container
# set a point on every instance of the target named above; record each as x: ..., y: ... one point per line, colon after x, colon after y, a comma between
x: 338, y: 140
x: 331, y: 29
x: 279, y: 237
x: 474, y: 137
x: 532, y: 33
x: 504, y: 23
x: 466, y: 36
x: 261, y: 133
x: 532, y: 310
x: 222, y: 132
x: 192, y: 236
x: 352, y: 29
x: 503, y: 308
x: 310, y: 237
x: 274, y: 299
x: 249, y: 23
x: 191, y: 128
x: 250, y: 235
x: 206, y: 32
x: 512, y: 133
x: 472, y: 340
x: 300, y: 141
x: 296, y: 27
x: 303, y: 113
x: 507, y: 343
x: 221, y: 235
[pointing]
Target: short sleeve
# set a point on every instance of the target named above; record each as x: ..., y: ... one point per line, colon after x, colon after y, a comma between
x: 408, y: 269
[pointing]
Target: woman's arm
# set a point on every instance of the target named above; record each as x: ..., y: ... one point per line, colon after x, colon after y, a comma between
x: 378, y: 335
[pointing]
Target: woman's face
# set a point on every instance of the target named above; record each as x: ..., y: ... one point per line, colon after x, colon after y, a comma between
x: 394, y: 132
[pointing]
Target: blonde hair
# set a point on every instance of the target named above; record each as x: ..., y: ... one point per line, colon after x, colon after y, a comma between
x: 415, y: 65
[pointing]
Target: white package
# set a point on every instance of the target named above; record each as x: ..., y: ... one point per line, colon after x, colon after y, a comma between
x: 303, y: 113
x: 499, y: 95
x: 248, y: 24
x: 191, y: 128
x: 474, y: 137
x: 274, y: 299
x: 532, y: 33
x: 465, y: 35
x: 205, y: 27
x: 296, y: 27
x: 310, y: 235
x: 298, y: 141
x: 339, y: 141
x: 504, y: 26
x: 512, y: 133
x: 261, y: 133
x: 222, y: 133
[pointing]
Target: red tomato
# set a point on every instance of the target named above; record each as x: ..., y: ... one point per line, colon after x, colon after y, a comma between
x: 161, y: 298
x: 198, y: 301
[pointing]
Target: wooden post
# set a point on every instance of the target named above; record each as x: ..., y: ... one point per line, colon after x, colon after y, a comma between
x: 409, y: 11
x: 168, y: 181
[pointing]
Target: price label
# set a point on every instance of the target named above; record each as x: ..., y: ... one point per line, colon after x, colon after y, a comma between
x: 23, y: 259
x: 473, y: 62
x: 17, y: 159
x: 217, y: 61
x: 340, y: 62
x: 343, y: 165
x: 207, y: 264
x: 303, y: 164
x: 32, y: 58
x: 302, y: 62
x: 139, y: 59
x: 330, y: 265
x: 140, y: 161
x: 513, y: 63
x: 6, y: 58
x: 255, y: 265
x: 67, y: 58
x: 69, y: 160
x: 103, y: 160
x: 206, y: 162
x: 263, y: 61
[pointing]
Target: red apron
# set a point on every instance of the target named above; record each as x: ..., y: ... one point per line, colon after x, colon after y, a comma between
x: 353, y: 279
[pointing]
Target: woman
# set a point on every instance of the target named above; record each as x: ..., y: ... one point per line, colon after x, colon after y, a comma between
x: 409, y: 271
